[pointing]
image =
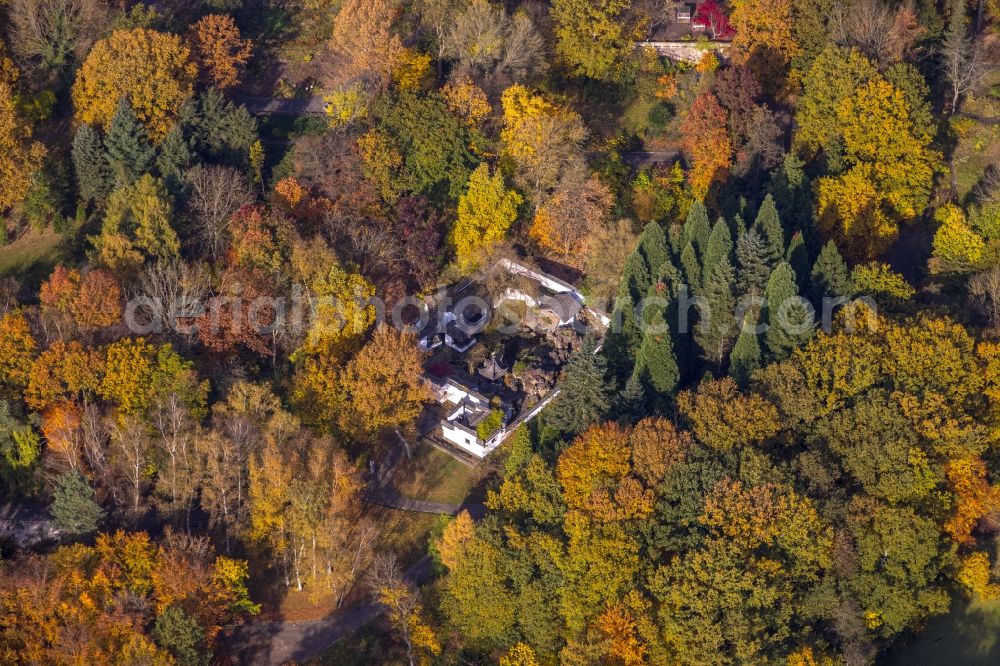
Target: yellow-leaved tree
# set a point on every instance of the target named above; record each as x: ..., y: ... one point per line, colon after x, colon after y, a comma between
x: 539, y: 142
x: 343, y: 312
x: 957, y: 247
x: 363, y: 37
x: 454, y: 538
x: 763, y: 25
x: 382, y: 385
x: 466, y: 100
x: 22, y: 157
x: 403, y: 608
x: 136, y: 227
x: 521, y: 654
x: 153, y: 69
x: 485, y: 213
x: 595, y: 37
x: 17, y: 350
x: 889, y: 175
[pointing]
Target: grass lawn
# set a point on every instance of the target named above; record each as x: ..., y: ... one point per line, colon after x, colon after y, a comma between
x: 977, y: 148
x: 979, y: 142
x: 405, y: 533
x: 32, y: 256
x: 967, y: 636
x: 435, y: 476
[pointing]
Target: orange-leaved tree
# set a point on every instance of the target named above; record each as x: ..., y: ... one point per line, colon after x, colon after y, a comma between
x: 362, y: 35
x: 22, y: 157
x: 219, y: 49
x: 383, y: 385
x: 17, y: 350
x: 707, y: 144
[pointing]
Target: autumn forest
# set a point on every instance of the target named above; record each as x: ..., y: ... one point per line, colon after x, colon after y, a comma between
x: 518, y: 332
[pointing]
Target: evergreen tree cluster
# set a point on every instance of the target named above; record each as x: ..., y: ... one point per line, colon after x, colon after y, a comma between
x: 722, y: 297
x: 211, y: 129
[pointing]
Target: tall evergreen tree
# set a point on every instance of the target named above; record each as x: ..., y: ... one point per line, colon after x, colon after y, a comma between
x: 751, y: 263
x: 739, y: 225
x: 788, y: 317
x: 653, y: 247
x: 691, y: 268
x: 716, y: 328
x: 797, y: 257
x: 745, y: 357
x: 90, y: 164
x: 657, y: 360
x: 129, y: 150
x: 621, y: 344
x: 630, y: 405
x: 174, y: 158
x: 675, y: 239
x: 696, y: 227
x: 635, y: 276
x: 720, y: 246
x: 768, y: 225
x: 830, y: 276
x: 220, y: 129
x: 584, y: 396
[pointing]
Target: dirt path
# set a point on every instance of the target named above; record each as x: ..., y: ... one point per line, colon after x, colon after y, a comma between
x: 397, y: 501
x: 277, y: 106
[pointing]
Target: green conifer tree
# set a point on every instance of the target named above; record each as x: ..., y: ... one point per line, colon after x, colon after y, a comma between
x: 691, y: 268
x: 653, y: 247
x: 630, y: 406
x: 752, y: 270
x: 792, y: 192
x: 129, y: 150
x: 584, y: 396
x: 797, y: 257
x: 635, y: 276
x: 675, y: 239
x: 788, y: 317
x: 745, y: 357
x: 621, y: 344
x: 669, y: 276
x: 219, y: 129
x: 74, y: 510
x: 696, y: 227
x: 90, y: 164
x: 768, y: 225
x: 174, y: 158
x: 720, y: 246
x: 716, y: 329
x: 656, y: 355
x: 830, y: 276
x: 739, y: 225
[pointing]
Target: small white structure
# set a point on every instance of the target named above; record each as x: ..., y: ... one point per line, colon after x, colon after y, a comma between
x: 460, y: 429
x: 563, y: 300
x: 468, y: 409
